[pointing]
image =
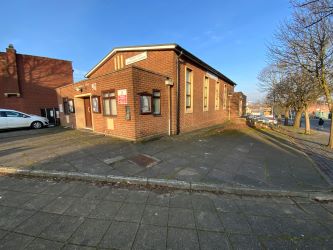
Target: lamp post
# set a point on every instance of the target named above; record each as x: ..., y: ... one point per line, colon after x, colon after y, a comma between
x: 229, y: 95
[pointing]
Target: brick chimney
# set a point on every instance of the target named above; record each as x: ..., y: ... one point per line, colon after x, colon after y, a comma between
x: 11, y: 84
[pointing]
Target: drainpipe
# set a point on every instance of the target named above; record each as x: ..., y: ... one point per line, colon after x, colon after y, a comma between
x: 169, y: 83
x: 230, y: 95
x: 178, y: 94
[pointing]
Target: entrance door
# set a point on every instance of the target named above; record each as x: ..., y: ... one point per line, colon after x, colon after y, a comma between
x: 87, y: 112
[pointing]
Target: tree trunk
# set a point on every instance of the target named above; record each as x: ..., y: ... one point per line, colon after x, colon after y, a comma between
x: 298, y: 117
x: 286, y: 117
x: 329, y: 100
x: 330, y: 141
x: 307, y: 122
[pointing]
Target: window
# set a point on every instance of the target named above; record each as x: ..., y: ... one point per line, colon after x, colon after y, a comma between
x: 217, y: 96
x: 71, y: 106
x: 225, y: 95
x: 188, y: 90
x: 68, y: 106
x: 145, y: 104
x: 96, y: 108
x: 11, y: 114
x: 206, y: 93
x: 156, y: 102
x: 109, y: 103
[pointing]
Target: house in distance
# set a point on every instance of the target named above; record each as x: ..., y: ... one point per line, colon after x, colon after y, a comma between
x: 144, y: 91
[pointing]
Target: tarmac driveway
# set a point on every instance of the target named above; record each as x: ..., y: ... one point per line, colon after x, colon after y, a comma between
x: 248, y: 157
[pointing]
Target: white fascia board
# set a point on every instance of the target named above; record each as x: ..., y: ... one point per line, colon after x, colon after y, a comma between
x: 139, y: 48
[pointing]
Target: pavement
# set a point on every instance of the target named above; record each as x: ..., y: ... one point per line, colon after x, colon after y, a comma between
x: 48, y: 214
x: 245, y: 158
x: 315, y: 146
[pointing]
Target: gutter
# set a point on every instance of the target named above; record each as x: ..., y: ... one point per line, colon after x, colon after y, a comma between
x: 178, y: 93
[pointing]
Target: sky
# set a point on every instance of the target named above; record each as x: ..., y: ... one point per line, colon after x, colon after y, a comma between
x: 231, y: 36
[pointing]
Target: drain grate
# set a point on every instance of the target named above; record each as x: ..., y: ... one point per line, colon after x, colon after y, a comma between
x: 144, y: 160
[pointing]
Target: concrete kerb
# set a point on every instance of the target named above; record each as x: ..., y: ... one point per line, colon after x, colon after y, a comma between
x: 173, y: 184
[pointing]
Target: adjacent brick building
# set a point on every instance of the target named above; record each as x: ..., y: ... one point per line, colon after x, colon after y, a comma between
x: 143, y: 91
x: 27, y: 83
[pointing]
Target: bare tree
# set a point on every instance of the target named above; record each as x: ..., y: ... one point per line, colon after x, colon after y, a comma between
x: 322, y: 9
x: 290, y: 89
x: 306, y: 43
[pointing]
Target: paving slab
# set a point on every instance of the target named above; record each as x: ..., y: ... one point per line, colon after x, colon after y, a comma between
x: 40, y: 244
x: 15, y: 241
x: 14, y: 218
x: 155, y: 215
x: 36, y: 223
x: 120, y: 235
x: 179, y: 238
x: 90, y: 232
x: 131, y: 213
x: 62, y: 228
x: 213, y: 240
x: 150, y: 237
x: 207, y: 220
x: 181, y: 217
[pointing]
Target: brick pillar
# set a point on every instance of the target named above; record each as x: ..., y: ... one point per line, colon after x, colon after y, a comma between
x: 11, y: 84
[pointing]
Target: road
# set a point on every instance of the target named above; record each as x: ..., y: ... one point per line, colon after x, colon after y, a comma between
x: 49, y: 214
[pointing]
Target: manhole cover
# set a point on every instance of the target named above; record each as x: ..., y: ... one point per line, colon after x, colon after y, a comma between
x: 144, y: 160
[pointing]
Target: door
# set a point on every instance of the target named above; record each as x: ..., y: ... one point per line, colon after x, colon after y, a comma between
x: 50, y: 113
x: 87, y: 112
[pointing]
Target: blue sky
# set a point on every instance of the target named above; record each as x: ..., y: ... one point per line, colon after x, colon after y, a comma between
x: 231, y: 36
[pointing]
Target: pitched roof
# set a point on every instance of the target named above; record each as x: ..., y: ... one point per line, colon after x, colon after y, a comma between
x: 171, y: 46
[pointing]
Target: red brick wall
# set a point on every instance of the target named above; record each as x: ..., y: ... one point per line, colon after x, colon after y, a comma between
x: 37, y: 79
x: 149, y: 124
x: 135, y: 80
x: 157, y: 61
x: 199, y: 118
x: 164, y: 62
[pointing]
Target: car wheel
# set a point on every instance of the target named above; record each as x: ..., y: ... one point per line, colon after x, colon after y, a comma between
x: 36, y: 125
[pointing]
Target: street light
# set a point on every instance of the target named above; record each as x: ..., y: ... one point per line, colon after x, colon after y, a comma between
x: 229, y: 95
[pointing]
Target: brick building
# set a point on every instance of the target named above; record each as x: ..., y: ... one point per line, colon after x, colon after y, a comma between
x: 239, y: 101
x: 144, y: 91
x: 27, y: 83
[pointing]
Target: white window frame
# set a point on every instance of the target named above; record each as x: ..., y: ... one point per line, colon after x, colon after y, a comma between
x: 205, y: 93
x: 188, y: 109
x: 217, y: 95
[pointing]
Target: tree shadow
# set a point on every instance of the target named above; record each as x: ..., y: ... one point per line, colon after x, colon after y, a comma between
x: 9, y: 151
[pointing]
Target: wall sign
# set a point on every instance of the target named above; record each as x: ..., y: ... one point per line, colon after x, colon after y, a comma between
x: 136, y: 58
x: 122, y: 96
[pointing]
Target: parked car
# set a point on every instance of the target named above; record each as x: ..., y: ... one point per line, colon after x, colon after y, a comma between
x: 267, y: 120
x: 15, y: 119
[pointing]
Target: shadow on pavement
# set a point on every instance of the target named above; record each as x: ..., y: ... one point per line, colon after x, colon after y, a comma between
x: 245, y: 158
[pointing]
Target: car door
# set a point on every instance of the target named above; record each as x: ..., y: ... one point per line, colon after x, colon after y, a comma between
x: 16, y: 119
x: 3, y: 120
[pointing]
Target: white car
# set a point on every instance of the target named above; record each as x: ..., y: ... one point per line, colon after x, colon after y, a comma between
x: 15, y: 119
